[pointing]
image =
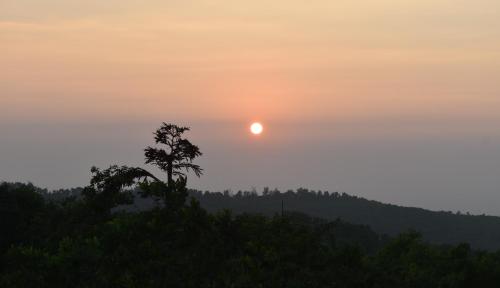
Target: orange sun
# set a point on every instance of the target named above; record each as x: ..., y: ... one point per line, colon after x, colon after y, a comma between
x: 256, y: 128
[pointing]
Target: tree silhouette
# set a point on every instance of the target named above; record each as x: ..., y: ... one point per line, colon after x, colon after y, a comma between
x: 179, y: 155
x: 113, y: 186
x: 106, y: 189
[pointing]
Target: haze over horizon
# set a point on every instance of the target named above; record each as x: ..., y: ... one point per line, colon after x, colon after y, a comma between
x: 395, y: 101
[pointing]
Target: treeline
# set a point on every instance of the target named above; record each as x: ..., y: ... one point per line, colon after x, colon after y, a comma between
x: 443, y: 227
x: 75, y: 243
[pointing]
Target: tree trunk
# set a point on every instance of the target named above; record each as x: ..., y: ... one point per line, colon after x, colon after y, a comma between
x: 170, y: 180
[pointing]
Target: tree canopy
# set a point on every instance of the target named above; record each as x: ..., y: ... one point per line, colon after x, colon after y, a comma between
x: 179, y: 153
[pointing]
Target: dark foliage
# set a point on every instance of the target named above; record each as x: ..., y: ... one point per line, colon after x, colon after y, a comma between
x: 63, y: 245
x: 106, y: 189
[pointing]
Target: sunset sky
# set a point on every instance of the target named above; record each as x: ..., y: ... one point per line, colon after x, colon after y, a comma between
x: 392, y: 100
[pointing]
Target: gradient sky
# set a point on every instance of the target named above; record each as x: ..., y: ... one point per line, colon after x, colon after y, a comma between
x: 392, y: 100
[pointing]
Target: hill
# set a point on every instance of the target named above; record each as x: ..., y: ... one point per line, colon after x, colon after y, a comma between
x: 482, y: 232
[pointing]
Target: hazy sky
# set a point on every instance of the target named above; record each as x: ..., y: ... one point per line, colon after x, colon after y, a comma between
x: 393, y: 100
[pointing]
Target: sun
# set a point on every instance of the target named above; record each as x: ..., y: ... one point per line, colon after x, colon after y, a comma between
x: 256, y: 128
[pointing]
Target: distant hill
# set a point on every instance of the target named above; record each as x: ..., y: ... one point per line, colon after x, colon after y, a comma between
x: 482, y: 232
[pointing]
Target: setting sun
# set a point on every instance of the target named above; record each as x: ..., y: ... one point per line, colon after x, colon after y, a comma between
x: 256, y: 128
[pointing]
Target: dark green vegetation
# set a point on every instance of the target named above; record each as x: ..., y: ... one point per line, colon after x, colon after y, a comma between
x: 89, y: 240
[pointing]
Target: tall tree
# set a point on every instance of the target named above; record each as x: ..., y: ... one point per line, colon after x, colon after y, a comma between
x: 178, y: 155
x: 112, y: 187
